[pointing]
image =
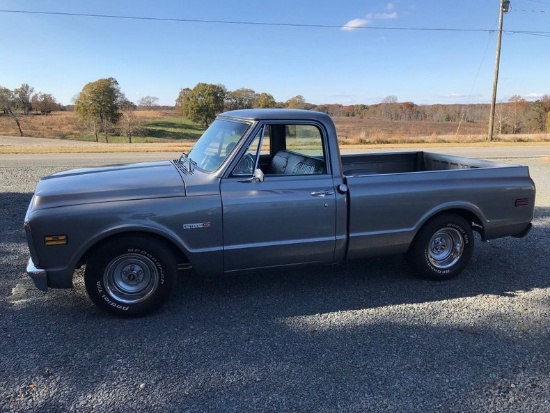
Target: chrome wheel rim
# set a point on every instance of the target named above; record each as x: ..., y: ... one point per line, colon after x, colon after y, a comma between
x: 445, y: 248
x: 131, y: 278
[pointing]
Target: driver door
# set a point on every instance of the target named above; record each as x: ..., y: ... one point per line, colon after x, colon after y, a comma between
x: 284, y: 219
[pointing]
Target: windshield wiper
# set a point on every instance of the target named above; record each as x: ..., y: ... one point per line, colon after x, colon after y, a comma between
x: 191, y: 164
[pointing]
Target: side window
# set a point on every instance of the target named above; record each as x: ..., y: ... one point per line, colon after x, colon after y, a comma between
x: 298, y: 150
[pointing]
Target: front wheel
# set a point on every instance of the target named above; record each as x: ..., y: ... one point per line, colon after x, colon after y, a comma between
x: 130, y: 275
x: 442, y: 248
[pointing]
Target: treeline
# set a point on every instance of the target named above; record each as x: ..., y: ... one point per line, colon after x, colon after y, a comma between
x: 101, y: 106
x: 513, y: 117
x: 204, y: 101
x: 24, y: 100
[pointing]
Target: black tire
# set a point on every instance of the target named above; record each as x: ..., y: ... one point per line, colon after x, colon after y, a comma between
x: 442, y: 248
x: 131, y: 275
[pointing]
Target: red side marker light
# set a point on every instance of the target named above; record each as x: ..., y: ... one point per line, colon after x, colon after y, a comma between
x: 522, y: 202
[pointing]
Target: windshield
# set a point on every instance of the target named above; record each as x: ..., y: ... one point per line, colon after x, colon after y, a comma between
x: 216, y: 144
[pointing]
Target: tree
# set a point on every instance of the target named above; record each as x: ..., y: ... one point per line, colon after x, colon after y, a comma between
x: 184, y: 93
x: 204, y: 102
x: 129, y: 123
x: 148, y: 102
x: 7, y: 103
x: 98, y: 105
x: 517, y: 105
x: 265, y: 100
x: 23, y: 96
x: 359, y: 110
x: 44, y: 103
x: 501, y: 117
x: 297, y: 102
x: 6, y: 99
x: 536, y: 116
x: 546, y: 106
x: 389, y: 107
x: 241, y: 99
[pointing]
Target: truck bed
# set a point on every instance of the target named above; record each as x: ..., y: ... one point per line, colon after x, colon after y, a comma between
x: 391, y: 195
x: 406, y: 162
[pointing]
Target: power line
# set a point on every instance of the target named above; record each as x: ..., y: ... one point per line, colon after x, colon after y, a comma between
x: 531, y: 11
x: 256, y: 23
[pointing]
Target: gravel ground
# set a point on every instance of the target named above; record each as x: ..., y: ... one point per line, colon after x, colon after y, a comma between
x: 361, y: 337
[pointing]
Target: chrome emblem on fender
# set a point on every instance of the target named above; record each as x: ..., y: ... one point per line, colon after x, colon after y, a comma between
x: 197, y: 225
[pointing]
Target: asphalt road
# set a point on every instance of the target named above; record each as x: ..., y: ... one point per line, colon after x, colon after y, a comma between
x: 361, y: 337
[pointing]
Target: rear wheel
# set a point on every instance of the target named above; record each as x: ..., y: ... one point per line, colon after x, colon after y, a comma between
x: 130, y: 275
x: 442, y: 248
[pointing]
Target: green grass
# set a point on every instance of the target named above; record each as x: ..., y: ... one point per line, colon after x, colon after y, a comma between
x: 172, y: 128
x: 162, y: 130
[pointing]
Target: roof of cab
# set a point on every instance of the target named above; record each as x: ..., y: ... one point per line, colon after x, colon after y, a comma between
x: 276, y: 114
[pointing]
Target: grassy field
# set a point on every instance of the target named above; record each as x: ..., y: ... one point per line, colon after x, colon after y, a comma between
x: 154, y: 127
x: 167, y: 127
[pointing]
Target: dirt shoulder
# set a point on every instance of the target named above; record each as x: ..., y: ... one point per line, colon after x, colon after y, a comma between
x: 17, y: 144
x: 28, y: 145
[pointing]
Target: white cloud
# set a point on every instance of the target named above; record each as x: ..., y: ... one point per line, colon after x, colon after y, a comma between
x: 355, y: 24
x: 455, y: 96
x: 533, y: 96
x: 382, y: 16
x: 369, y: 18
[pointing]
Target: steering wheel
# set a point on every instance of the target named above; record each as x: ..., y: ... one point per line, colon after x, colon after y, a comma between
x: 245, y: 165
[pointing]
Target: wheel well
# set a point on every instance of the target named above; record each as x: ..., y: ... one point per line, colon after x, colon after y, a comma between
x: 469, y: 216
x: 178, y: 254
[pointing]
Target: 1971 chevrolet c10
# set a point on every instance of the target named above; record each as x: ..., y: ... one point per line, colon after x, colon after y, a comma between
x: 265, y: 189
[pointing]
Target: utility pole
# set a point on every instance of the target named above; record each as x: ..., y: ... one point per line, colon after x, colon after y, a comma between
x: 504, y: 7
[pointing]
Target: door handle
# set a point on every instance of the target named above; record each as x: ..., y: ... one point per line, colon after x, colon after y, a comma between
x: 322, y: 193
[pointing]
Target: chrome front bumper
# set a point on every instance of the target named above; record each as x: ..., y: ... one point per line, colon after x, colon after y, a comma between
x: 38, y: 275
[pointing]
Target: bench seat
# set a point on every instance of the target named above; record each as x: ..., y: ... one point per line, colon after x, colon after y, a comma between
x: 291, y: 163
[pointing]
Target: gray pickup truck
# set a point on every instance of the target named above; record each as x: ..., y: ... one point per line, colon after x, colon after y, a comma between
x: 265, y: 189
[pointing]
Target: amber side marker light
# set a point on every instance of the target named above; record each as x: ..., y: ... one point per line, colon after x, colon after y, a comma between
x: 55, y: 240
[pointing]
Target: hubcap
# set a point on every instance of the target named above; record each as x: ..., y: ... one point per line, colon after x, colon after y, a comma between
x: 131, y: 278
x: 446, y: 248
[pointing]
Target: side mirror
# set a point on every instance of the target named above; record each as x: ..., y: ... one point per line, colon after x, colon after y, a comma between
x: 257, y: 177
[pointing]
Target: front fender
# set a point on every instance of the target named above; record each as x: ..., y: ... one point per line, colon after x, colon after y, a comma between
x: 85, y: 226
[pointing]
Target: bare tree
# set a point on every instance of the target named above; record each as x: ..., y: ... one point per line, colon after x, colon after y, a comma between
x: 389, y: 106
x: 517, y: 105
x: 129, y: 123
x: 501, y: 117
x: 148, y: 102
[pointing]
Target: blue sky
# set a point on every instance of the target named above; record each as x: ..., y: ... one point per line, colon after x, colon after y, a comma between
x: 310, y: 48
